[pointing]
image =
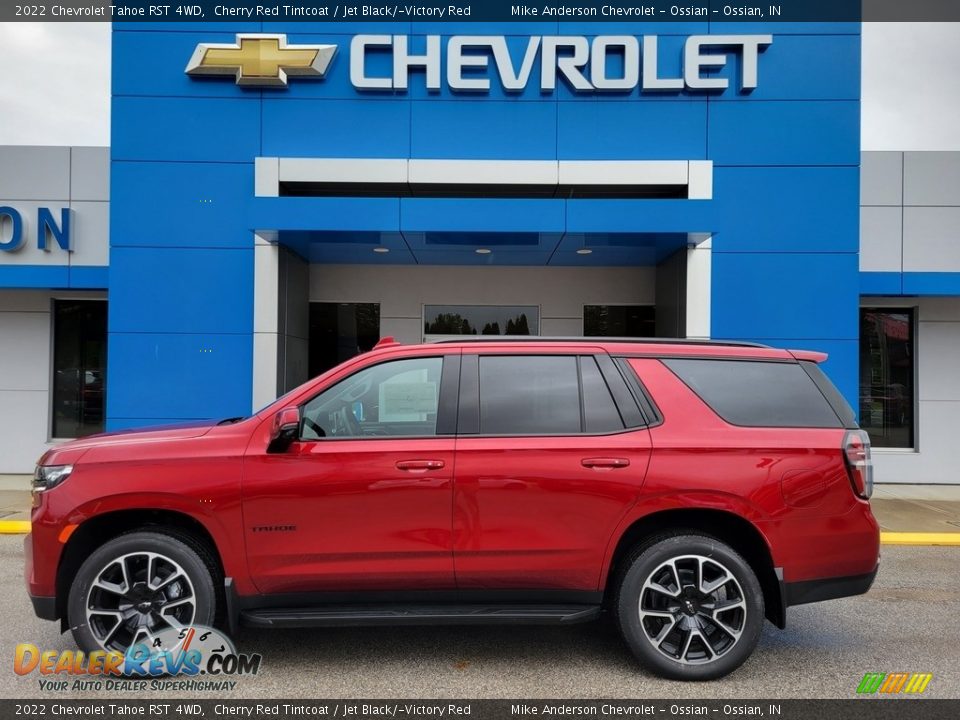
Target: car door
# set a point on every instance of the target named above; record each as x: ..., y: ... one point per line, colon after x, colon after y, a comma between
x: 549, y: 458
x: 362, y: 499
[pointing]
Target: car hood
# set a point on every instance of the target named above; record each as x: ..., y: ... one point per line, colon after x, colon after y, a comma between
x: 181, y: 431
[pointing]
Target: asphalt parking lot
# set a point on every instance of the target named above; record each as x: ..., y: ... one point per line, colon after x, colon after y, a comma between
x: 909, y: 622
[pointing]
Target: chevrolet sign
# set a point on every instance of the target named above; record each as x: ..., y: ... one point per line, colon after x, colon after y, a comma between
x: 267, y: 60
x: 581, y: 62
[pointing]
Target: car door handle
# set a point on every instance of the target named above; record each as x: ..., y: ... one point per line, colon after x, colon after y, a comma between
x: 605, y: 462
x: 421, y: 465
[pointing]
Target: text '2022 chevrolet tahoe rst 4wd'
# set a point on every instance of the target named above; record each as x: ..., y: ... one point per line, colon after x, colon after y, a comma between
x: 691, y: 489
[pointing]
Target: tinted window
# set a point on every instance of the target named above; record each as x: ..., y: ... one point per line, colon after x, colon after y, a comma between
x: 599, y: 411
x: 619, y: 321
x: 393, y: 398
x: 837, y: 401
x: 340, y: 331
x: 887, y: 367
x: 529, y: 395
x: 481, y: 320
x: 760, y: 394
x: 79, y: 367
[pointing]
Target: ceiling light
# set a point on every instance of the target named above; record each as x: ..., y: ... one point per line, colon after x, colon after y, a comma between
x: 584, y: 251
x: 381, y: 249
x: 482, y: 251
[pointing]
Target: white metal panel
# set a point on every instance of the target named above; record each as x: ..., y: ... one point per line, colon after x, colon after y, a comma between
x: 35, y: 173
x: 931, y: 178
x: 91, y: 234
x: 881, y: 239
x: 343, y: 170
x: 700, y: 184
x: 931, y: 239
x: 484, y: 172
x: 699, y: 273
x: 881, y: 178
x: 24, y: 440
x: 90, y: 173
x: 623, y: 172
x: 266, y: 176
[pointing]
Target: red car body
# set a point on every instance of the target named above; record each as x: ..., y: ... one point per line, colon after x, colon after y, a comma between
x: 457, y: 513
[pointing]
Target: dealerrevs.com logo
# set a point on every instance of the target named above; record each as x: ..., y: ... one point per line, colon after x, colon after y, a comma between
x: 193, y: 658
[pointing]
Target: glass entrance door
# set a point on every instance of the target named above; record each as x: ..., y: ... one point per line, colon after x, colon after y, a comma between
x: 339, y: 331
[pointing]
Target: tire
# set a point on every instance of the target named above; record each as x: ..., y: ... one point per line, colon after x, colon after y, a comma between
x: 111, y: 604
x: 671, y: 624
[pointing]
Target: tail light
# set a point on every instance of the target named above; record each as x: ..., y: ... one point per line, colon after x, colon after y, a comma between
x: 856, y: 452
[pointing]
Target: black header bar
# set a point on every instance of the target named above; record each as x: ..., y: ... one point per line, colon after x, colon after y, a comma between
x: 352, y: 11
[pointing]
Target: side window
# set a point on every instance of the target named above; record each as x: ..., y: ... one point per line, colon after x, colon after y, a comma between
x: 529, y: 395
x: 600, y: 413
x: 397, y: 398
x: 757, y: 393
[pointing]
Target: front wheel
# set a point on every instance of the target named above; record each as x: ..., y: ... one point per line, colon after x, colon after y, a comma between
x: 137, y: 585
x: 689, y: 607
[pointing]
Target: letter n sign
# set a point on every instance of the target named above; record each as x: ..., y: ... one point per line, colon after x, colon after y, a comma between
x: 49, y: 230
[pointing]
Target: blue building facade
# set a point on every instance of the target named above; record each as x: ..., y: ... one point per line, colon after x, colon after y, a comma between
x: 782, y: 213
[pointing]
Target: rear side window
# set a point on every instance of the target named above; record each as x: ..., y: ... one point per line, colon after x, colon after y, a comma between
x: 837, y: 401
x: 600, y: 414
x: 756, y: 393
x: 529, y: 395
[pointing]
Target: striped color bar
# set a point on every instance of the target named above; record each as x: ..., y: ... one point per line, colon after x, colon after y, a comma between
x: 892, y: 683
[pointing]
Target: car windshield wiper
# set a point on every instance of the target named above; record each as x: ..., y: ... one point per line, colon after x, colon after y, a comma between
x: 231, y: 421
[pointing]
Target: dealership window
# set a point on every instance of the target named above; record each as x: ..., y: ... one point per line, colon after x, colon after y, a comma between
x: 619, y: 321
x: 442, y: 320
x: 340, y: 331
x: 79, y: 367
x: 887, y: 367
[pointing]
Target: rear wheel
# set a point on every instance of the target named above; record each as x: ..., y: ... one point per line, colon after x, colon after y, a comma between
x: 137, y: 585
x: 689, y: 607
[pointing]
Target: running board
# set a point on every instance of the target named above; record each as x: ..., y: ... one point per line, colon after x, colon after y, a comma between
x: 359, y: 615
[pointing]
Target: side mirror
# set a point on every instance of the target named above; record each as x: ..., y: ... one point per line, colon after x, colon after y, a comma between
x: 286, y: 429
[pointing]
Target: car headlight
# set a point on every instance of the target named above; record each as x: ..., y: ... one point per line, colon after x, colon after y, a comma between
x: 46, y: 477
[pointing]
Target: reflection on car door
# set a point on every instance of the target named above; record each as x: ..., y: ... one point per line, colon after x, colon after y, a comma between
x: 541, y: 477
x: 363, y: 500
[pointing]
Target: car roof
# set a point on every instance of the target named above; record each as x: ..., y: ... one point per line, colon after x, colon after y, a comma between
x: 639, y: 347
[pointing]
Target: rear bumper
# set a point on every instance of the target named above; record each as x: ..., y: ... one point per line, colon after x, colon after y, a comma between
x: 810, y: 591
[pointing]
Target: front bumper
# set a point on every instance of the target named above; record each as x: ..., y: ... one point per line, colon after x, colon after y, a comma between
x: 44, y: 607
x: 810, y: 591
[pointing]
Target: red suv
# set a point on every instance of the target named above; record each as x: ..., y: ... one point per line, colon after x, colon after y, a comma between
x: 690, y: 489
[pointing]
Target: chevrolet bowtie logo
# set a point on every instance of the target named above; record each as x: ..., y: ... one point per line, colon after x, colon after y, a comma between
x: 261, y: 60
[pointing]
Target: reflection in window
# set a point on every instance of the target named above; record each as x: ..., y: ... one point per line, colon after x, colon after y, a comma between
x: 79, y: 367
x: 397, y: 398
x: 619, y: 321
x: 529, y: 395
x: 481, y: 320
x: 886, y: 376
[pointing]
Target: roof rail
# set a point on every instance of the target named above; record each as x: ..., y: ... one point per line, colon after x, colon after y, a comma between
x: 637, y: 340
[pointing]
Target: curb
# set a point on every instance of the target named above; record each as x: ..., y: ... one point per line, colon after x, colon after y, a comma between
x: 22, y: 527
x: 919, y: 538
x: 14, y: 527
